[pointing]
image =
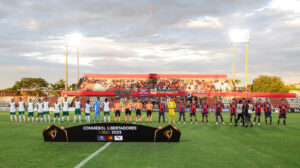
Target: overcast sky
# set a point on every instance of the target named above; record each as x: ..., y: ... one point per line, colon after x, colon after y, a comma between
x: 119, y: 37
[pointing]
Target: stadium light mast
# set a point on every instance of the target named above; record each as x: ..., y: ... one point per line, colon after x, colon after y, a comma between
x: 240, y: 36
x: 75, y: 40
x: 66, y: 43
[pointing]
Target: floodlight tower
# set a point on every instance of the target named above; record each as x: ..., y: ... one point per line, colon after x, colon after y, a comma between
x: 66, y: 44
x: 240, y: 36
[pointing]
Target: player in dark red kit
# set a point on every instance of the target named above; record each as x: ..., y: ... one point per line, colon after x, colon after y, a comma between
x: 268, y: 111
x: 233, y: 107
x: 193, y: 111
x: 282, y: 112
x: 205, y: 107
x: 219, y: 109
x: 181, y: 111
x: 162, y: 109
x: 258, y: 109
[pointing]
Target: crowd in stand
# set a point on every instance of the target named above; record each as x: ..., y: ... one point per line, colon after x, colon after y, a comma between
x: 161, y: 84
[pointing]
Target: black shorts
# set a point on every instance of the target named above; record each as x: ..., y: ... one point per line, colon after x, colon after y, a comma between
x: 127, y: 112
x: 182, y: 113
x: 138, y: 112
x: 268, y: 114
x: 282, y: 115
x: 118, y: 113
x: 257, y: 114
x: 192, y: 114
x: 218, y: 114
x: 149, y: 112
x: 232, y: 114
x: 204, y: 114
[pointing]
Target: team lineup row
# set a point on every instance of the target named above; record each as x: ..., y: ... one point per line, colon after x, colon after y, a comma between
x: 239, y: 111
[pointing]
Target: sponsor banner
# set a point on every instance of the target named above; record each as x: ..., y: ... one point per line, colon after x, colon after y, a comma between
x: 295, y: 110
x: 143, y: 93
x: 111, y: 132
x: 153, y: 91
x: 123, y: 93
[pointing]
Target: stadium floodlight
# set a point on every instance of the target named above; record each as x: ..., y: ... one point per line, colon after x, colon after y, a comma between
x: 239, y: 35
x: 74, y: 39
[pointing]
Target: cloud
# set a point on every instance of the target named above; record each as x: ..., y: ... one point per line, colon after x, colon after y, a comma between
x: 202, y: 22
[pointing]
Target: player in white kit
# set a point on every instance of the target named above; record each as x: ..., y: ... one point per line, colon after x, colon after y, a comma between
x: 65, y: 110
x: 56, y: 112
x: 46, y: 105
x: 106, y: 109
x: 12, y: 110
x: 21, y: 105
x: 40, y: 111
x: 87, y: 111
x: 77, y: 105
x: 30, y: 110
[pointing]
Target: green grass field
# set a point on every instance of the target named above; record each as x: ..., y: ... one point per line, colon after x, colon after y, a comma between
x: 22, y: 145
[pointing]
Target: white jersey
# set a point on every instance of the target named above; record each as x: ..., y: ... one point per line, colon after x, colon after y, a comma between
x: 77, y: 104
x: 40, y: 107
x: 46, y: 106
x: 30, y: 106
x: 250, y: 108
x: 239, y: 108
x: 56, y: 108
x: 106, y: 106
x: 65, y: 106
x: 21, y: 106
x: 87, y: 108
x: 12, y: 107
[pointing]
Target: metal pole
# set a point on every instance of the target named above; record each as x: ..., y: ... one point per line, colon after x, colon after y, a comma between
x: 77, y: 64
x: 233, y: 68
x: 246, y: 67
x: 66, y: 82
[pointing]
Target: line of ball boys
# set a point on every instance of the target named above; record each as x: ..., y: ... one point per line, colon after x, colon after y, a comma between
x: 239, y: 111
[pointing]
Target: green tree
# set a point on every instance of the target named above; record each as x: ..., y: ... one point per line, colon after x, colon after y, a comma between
x: 32, y: 86
x: 59, y: 85
x: 269, y: 84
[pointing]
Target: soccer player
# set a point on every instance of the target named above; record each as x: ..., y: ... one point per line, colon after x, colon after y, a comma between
x: 205, y: 107
x: 162, y: 108
x: 77, y: 105
x: 181, y: 111
x: 193, y: 111
x: 87, y: 110
x: 56, y: 112
x: 248, y: 112
x: 40, y: 110
x: 65, y: 110
x: 268, y: 111
x: 282, y: 112
x: 106, y: 109
x: 219, y: 109
x: 128, y: 110
x: 138, y: 107
x: 117, y: 107
x: 233, y: 107
x: 149, y: 108
x: 21, y: 105
x: 12, y: 110
x: 258, y: 109
x: 30, y: 109
x: 97, y: 104
x: 172, y: 107
x: 46, y: 105
x: 239, y: 110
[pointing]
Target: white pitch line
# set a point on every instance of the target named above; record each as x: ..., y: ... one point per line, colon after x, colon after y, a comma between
x: 92, y: 155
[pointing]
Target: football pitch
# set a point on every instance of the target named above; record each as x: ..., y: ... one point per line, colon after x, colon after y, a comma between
x: 22, y: 145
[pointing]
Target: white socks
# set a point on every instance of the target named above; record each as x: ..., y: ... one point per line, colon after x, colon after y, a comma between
x: 79, y: 118
x: 45, y: 118
x: 20, y: 118
x: 104, y: 118
x: 75, y: 118
x: 87, y: 118
x: 49, y: 118
x: 108, y: 118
